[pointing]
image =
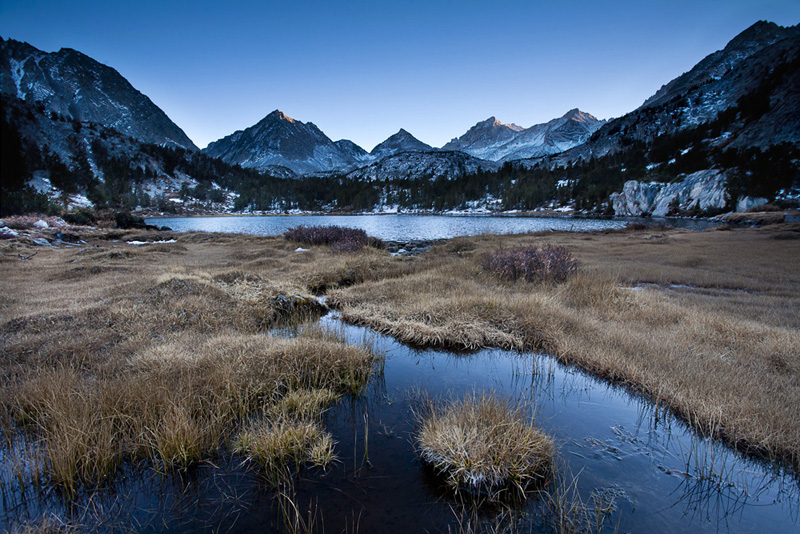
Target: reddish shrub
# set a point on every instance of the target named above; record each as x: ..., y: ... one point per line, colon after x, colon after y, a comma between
x: 340, y: 238
x: 535, y: 263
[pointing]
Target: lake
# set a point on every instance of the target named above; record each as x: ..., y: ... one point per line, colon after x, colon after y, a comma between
x: 409, y: 227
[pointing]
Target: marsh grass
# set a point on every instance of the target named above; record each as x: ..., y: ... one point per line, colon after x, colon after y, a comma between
x: 273, y: 444
x: 714, y: 339
x: 178, y: 404
x: 114, y: 340
x: 484, y: 444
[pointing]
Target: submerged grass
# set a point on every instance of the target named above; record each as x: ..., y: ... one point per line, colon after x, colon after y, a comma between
x: 483, y: 444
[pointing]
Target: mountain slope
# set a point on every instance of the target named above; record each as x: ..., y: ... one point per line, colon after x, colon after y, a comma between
x: 280, y: 140
x: 496, y: 141
x: 749, y: 87
x: 402, y: 141
x: 483, y: 139
x: 419, y: 165
x: 72, y: 84
x: 716, y: 65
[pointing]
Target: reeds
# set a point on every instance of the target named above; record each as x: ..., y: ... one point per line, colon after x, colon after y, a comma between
x: 484, y: 444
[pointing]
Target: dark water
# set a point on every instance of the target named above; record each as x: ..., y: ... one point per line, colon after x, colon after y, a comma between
x: 407, y: 227
x: 663, y: 476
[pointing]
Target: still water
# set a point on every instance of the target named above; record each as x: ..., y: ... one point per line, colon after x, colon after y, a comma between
x: 406, y: 227
x: 661, y: 476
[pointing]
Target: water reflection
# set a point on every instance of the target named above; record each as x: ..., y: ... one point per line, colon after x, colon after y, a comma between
x: 405, y: 227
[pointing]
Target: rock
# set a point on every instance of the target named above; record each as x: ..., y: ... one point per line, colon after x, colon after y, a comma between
x: 294, y: 306
x: 2, y: 223
x: 747, y: 203
x: 636, y: 199
x: 301, y: 249
x: 41, y: 224
x: 703, y: 189
x: 60, y: 221
x: 42, y: 242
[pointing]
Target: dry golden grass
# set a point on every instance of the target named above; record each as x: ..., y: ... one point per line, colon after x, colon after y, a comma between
x: 274, y: 444
x: 161, y: 354
x: 723, y: 353
x: 158, y: 351
x: 179, y: 402
x: 484, y: 444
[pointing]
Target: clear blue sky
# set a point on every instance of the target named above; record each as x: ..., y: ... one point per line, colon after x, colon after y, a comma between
x: 362, y: 70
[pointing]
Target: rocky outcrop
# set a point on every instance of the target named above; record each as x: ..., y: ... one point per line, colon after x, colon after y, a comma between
x: 744, y: 204
x: 704, y: 190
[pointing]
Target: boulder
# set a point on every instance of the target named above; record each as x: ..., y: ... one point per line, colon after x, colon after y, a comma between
x: 703, y: 189
x: 744, y: 204
x: 41, y: 224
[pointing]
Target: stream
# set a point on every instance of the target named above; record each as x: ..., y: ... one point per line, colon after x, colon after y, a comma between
x: 656, y: 473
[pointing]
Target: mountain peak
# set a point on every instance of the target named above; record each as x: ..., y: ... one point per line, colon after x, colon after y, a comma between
x: 578, y: 115
x: 402, y: 141
x: 493, y: 122
x: 280, y: 115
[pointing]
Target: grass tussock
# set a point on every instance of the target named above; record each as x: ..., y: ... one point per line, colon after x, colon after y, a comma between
x: 484, y: 444
x: 286, y: 441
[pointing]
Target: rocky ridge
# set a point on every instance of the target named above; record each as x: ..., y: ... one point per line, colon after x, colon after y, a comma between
x: 76, y: 86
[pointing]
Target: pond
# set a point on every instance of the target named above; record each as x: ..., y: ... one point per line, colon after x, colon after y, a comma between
x: 660, y: 475
x: 409, y: 227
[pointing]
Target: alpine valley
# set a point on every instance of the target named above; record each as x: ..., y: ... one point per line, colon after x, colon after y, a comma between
x: 723, y: 136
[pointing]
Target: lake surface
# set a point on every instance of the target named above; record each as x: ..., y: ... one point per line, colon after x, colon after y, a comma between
x: 661, y: 476
x: 407, y: 227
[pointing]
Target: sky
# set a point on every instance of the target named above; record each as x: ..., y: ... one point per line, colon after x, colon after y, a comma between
x: 363, y: 70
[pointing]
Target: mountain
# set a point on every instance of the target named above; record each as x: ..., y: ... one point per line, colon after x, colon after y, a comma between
x: 483, y: 139
x: 402, y: 141
x: 748, y: 91
x: 76, y: 86
x: 419, y: 165
x: 281, y: 140
x: 716, y: 65
x: 353, y: 150
x: 557, y: 135
x: 496, y: 141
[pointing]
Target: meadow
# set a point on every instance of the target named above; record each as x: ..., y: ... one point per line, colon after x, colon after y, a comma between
x: 164, y: 355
